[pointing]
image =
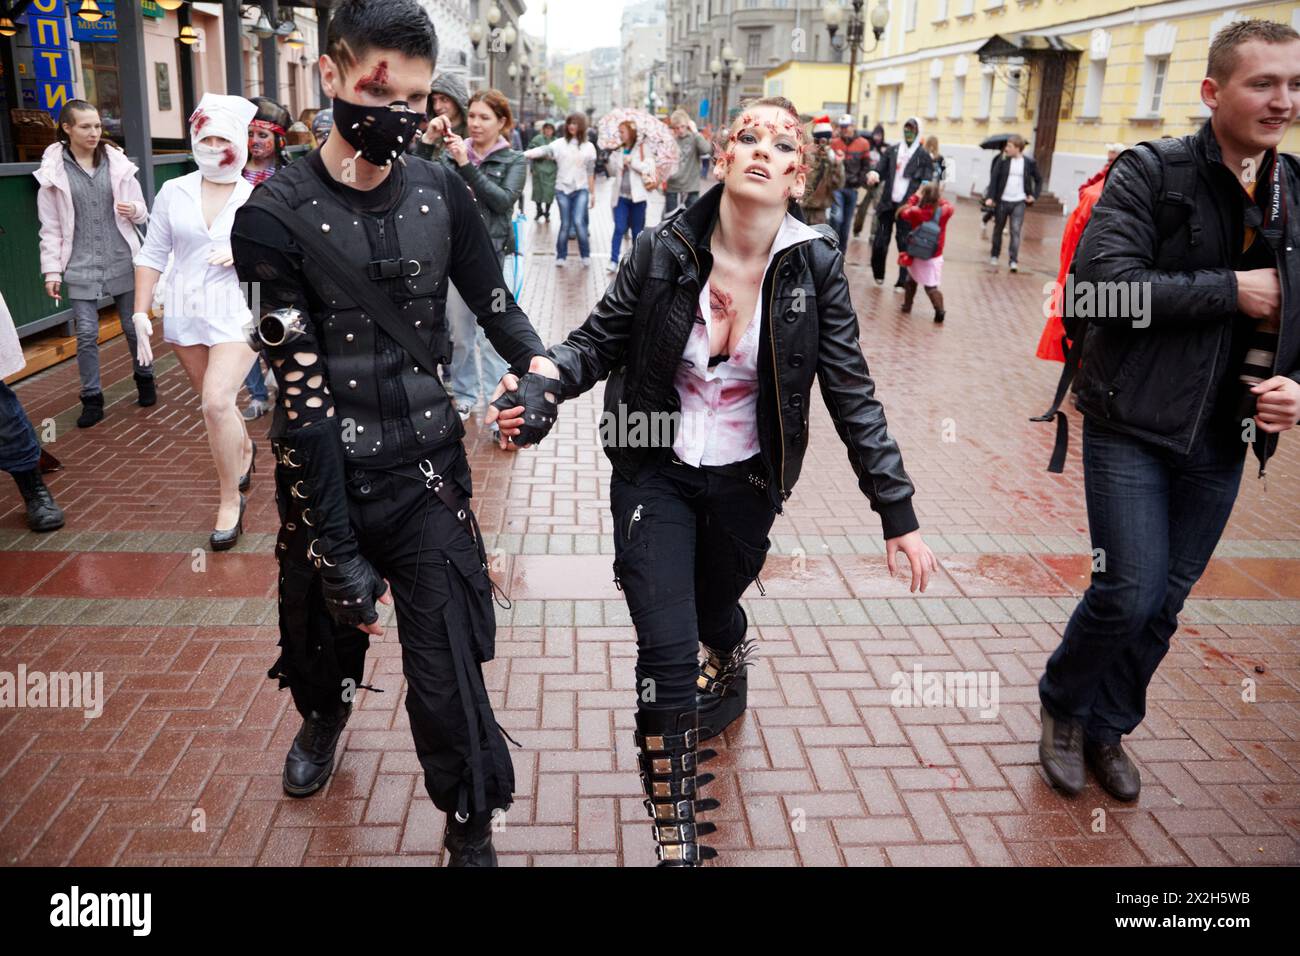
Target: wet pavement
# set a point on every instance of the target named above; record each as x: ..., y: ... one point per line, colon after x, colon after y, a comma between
x: 183, y: 766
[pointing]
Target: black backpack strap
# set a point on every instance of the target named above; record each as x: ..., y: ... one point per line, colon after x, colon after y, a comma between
x: 1176, y: 201
x: 373, y: 299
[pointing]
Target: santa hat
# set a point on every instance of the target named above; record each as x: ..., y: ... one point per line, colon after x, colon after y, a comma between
x: 822, y: 126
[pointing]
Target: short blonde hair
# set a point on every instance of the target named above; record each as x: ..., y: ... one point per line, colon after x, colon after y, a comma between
x: 679, y: 118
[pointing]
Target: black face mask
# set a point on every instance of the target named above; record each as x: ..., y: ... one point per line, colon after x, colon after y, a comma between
x: 379, y: 133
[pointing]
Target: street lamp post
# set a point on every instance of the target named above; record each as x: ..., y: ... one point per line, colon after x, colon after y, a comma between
x: 500, y: 40
x: 731, y: 67
x: 833, y: 14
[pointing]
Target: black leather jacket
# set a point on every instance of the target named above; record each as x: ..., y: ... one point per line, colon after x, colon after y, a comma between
x: 1159, y: 382
x: 638, y: 331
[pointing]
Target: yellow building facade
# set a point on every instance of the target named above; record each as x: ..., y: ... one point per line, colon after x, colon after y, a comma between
x: 1068, y: 75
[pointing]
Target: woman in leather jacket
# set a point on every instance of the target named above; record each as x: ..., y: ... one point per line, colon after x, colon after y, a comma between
x: 495, y: 173
x: 717, y: 322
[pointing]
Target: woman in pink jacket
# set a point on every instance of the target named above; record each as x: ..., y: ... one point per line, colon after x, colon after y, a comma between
x: 88, y: 203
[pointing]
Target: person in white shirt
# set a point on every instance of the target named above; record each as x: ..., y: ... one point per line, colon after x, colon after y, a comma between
x: 1013, y: 185
x: 204, y: 309
x: 575, y: 184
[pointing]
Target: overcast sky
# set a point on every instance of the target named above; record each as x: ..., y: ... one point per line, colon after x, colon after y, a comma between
x: 575, y: 25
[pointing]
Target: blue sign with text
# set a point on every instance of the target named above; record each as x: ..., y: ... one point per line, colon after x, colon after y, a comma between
x: 47, y: 26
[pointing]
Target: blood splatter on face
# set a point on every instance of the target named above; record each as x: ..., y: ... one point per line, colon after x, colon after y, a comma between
x: 198, y: 120
x: 376, y: 77
x: 228, y: 155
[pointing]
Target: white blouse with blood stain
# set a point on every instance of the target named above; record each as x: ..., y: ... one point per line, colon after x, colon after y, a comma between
x: 720, y: 405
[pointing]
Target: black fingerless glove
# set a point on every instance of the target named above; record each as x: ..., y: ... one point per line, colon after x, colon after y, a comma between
x: 539, y: 411
x: 351, y: 589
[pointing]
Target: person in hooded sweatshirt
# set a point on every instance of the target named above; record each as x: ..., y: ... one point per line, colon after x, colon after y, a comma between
x: 903, y: 168
x: 448, y: 108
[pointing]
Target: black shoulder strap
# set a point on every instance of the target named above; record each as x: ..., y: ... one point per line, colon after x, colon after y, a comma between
x: 1176, y: 202
x: 373, y: 300
x: 1175, y: 205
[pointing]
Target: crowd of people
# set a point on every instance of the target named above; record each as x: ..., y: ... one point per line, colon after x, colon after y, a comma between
x: 375, y: 270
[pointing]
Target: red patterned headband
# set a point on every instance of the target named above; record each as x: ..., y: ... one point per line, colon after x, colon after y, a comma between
x: 267, y: 124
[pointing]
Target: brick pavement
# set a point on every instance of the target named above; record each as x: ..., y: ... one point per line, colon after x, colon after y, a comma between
x: 823, y: 770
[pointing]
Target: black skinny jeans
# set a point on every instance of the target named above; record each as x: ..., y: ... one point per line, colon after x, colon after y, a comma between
x: 688, y: 542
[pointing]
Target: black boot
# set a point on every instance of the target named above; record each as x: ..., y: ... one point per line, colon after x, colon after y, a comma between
x: 936, y: 300
x: 42, y: 513
x: 667, y: 754
x: 92, y: 410
x: 310, y: 760
x: 1060, y: 751
x: 723, y: 686
x: 470, y: 843
x: 148, y: 392
x: 909, y: 295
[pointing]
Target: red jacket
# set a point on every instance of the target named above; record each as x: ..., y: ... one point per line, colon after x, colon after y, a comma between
x: 914, y: 214
x: 1049, y: 343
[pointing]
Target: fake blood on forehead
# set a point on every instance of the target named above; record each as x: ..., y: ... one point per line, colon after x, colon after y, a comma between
x: 198, y: 120
x: 376, y: 77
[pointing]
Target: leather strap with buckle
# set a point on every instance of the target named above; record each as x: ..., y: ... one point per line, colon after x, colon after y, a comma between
x: 394, y: 268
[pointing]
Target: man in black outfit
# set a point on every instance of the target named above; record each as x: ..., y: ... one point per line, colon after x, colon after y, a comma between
x: 352, y: 249
x: 903, y: 168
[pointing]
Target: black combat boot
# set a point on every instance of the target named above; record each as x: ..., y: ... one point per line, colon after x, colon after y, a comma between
x: 42, y: 513
x: 667, y: 754
x: 470, y: 843
x: 310, y: 760
x: 722, y: 689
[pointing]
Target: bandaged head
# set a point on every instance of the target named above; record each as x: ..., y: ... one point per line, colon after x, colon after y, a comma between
x: 227, y: 117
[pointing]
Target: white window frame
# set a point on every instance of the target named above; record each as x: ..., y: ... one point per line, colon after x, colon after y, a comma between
x: 987, y: 77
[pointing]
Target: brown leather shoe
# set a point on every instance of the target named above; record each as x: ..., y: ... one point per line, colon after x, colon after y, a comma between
x: 1060, y: 751
x: 1116, y: 773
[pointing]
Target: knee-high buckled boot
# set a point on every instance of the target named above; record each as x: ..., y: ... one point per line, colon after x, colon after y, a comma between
x: 667, y: 742
x: 722, y: 689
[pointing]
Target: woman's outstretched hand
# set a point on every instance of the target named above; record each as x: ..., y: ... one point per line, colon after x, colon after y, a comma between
x: 918, y: 555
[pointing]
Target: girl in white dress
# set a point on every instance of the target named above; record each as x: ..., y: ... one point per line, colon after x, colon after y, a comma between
x: 204, y: 309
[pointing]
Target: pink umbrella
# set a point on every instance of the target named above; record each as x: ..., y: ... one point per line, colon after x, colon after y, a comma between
x: 651, y: 132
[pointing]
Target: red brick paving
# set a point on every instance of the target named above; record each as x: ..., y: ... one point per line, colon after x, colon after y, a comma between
x: 823, y: 770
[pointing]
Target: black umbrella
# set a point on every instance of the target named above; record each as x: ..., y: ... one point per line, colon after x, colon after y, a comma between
x: 998, y: 141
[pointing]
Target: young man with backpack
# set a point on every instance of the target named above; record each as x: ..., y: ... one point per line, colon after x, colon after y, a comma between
x: 1204, y: 230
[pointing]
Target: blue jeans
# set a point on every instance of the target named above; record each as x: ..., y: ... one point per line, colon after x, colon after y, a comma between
x: 1014, y: 213
x: 627, y: 214
x: 846, y: 200
x: 255, y: 382
x: 573, y: 215
x: 19, y: 449
x: 671, y: 201
x: 476, y: 368
x: 1157, y: 516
